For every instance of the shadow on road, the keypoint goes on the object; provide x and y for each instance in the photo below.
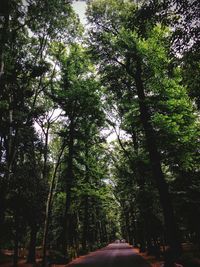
(114, 255)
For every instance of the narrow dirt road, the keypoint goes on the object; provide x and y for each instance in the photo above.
(114, 255)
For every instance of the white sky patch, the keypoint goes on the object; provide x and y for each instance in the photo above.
(80, 8)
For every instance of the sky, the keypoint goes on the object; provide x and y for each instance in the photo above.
(79, 8)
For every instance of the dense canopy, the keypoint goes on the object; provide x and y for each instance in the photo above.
(99, 128)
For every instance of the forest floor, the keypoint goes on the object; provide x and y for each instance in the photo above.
(117, 255)
(189, 258)
(152, 260)
(114, 255)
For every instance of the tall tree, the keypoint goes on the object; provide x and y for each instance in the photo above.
(27, 31)
(140, 54)
(77, 93)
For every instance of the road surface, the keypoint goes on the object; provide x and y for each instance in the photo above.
(114, 255)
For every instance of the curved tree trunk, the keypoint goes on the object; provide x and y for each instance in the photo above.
(48, 208)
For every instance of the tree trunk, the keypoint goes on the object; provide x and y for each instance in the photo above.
(45, 156)
(105, 235)
(48, 208)
(86, 203)
(170, 222)
(69, 182)
(126, 214)
(2, 209)
(32, 245)
(16, 241)
(4, 35)
(85, 224)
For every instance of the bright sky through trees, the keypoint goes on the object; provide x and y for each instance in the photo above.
(79, 7)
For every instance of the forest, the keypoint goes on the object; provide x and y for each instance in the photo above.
(99, 128)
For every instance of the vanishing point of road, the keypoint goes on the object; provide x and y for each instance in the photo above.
(114, 255)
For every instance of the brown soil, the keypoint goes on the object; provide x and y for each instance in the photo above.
(150, 259)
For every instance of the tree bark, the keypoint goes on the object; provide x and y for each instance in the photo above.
(85, 224)
(4, 37)
(48, 208)
(16, 241)
(32, 245)
(69, 182)
(86, 203)
(169, 218)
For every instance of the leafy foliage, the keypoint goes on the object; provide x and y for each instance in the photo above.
(62, 184)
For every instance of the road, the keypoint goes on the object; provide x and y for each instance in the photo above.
(114, 255)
